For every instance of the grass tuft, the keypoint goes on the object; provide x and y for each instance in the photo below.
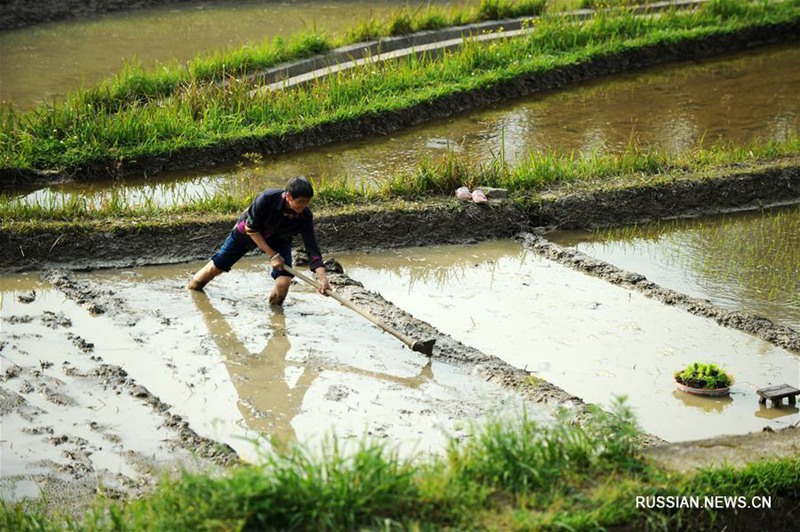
(438, 177)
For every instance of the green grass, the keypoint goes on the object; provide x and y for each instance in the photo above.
(136, 85)
(510, 474)
(525, 181)
(83, 132)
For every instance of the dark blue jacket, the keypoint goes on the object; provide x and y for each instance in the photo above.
(271, 216)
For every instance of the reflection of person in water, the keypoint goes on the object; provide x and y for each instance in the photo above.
(266, 400)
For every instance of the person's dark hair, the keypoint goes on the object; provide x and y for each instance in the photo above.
(300, 187)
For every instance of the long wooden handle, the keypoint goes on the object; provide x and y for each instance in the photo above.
(422, 347)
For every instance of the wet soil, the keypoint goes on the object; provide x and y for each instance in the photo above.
(66, 415)
(734, 451)
(36, 394)
(435, 221)
(72, 482)
(376, 227)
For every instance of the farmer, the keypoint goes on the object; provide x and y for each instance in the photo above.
(269, 223)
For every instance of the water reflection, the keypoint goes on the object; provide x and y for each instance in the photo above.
(744, 261)
(448, 268)
(707, 404)
(768, 412)
(270, 388)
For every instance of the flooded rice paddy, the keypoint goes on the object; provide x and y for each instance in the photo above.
(741, 261)
(233, 369)
(106, 384)
(593, 339)
(674, 108)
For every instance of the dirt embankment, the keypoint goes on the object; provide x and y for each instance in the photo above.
(438, 221)
(763, 328)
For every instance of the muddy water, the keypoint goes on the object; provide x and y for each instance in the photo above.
(44, 62)
(674, 108)
(592, 339)
(745, 261)
(61, 414)
(236, 371)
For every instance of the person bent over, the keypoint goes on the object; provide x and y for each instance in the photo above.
(269, 223)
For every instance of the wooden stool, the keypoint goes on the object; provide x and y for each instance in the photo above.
(777, 393)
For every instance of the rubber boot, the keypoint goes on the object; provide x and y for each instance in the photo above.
(202, 277)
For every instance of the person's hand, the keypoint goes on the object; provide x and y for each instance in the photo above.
(324, 286)
(276, 261)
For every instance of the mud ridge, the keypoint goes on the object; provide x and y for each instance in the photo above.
(432, 222)
(763, 328)
(96, 301)
(447, 348)
(216, 452)
(741, 188)
(437, 222)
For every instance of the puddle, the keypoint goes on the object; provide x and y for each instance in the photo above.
(744, 261)
(593, 339)
(234, 370)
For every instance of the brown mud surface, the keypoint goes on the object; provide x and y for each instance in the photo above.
(444, 221)
(437, 222)
(735, 451)
(432, 222)
(72, 481)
